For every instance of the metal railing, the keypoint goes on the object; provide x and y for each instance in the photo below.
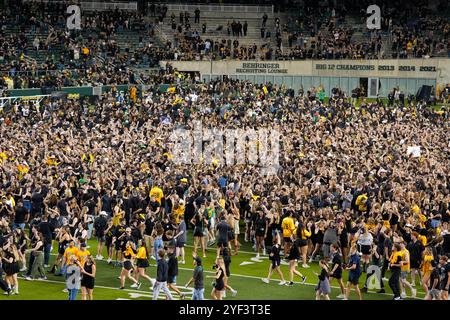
(220, 8)
(94, 5)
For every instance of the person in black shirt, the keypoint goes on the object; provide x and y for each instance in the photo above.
(100, 225)
(444, 277)
(20, 216)
(47, 230)
(336, 268)
(433, 288)
(395, 263)
(162, 275)
(222, 234)
(415, 248)
(261, 226)
(173, 272)
(275, 258)
(37, 201)
(109, 234)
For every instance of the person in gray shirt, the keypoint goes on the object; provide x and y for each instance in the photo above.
(181, 239)
(197, 278)
(330, 236)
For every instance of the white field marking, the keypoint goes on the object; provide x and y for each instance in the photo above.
(245, 276)
(130, 291)
(246, 263)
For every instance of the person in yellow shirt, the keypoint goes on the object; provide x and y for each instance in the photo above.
(288, 227)
(128, 256)
(82, 254)
(303, 234)
(117, 216)
(405, 270)
(426, 268)
(142, 262)
(158, 193)
(178, 210)
(133, 92)
(70, 252)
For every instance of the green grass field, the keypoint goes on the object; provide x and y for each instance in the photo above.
(246, 279)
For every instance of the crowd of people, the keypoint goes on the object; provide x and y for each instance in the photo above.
(348, 192)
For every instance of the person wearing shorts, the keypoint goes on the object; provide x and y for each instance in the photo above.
(275, 259)
(354, 272)
(180, 238)
(173, 272)
(336, 268)
(128, 256)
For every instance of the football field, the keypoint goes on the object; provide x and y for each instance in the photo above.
(246, 274)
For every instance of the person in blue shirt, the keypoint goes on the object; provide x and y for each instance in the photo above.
(354, 272)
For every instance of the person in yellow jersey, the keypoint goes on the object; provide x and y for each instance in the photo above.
(142, 263)
(288, 227)
(303, 234)
(405, 270)
(82, 254)
(395, 264)
(426, 267)
(158, 193)
(128, 257)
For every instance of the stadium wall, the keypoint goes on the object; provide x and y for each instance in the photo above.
(409, 75)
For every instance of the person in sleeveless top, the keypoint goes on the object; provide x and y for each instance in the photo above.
(88, 278)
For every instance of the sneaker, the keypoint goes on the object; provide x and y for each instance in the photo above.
(43, 278)
(403, 295)
(182, 296)
(65, 290)
(134, 285)
(290, 284)
(224, 294)
(46, 266)
(99, 257)
(257, 256)
(121, 288)
(305, 266)
(234, 293)
(282, 283)
(385, 279)
(118, 277)
(310, 260)
(381, 291)
(265, 280)
(109, 260)
(23, 269)
(152, 281)
(139, 285)
(364, 290)
(264, 252)
(413, 293)
(398, 298)
(153, 257)
(183, 262)
(29, 278)
(341, 296)
(303, 279)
